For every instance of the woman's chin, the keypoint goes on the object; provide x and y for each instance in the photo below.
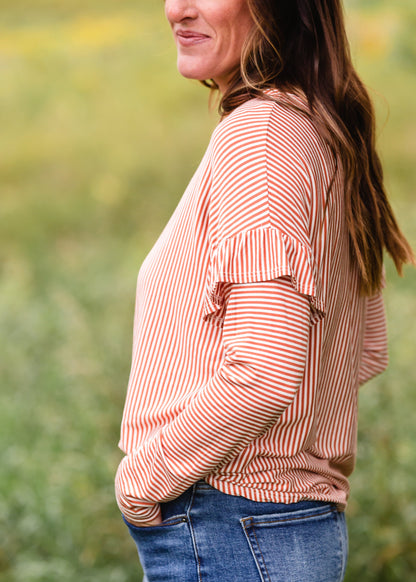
(190, 70)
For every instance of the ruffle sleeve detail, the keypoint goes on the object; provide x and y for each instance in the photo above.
(258, 255)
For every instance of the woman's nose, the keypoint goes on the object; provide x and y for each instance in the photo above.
(179, 10)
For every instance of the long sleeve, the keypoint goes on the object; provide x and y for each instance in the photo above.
(375, 351)
(265, 338)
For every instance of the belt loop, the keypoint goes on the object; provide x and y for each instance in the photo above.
(192, 491)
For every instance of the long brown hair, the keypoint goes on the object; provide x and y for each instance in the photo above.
(301, 46)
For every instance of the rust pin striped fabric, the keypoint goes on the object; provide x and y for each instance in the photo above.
(250, 335)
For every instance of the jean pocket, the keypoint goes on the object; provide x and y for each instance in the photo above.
(171, 521)
(295, 546)
(165, 550)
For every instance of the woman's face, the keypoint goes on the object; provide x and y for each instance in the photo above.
(209, 36)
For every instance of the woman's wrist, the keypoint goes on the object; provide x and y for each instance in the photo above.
(135, 510)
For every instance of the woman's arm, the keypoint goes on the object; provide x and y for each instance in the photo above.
(375, 349)
(265, 338)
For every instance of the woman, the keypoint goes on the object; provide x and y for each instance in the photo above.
(259, 309)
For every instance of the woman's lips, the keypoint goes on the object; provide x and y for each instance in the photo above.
(190, 37)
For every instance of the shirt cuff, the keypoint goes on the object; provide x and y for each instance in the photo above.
(136, 511)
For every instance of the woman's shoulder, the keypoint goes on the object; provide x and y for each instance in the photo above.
(278, 118)
(251, 117)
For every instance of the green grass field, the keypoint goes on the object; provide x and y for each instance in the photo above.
(99, 136)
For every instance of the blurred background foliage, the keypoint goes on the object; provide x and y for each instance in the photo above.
(99, 136)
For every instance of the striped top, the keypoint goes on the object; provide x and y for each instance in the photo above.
(250, 335)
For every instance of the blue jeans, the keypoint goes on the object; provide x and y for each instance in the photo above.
(207, 536)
